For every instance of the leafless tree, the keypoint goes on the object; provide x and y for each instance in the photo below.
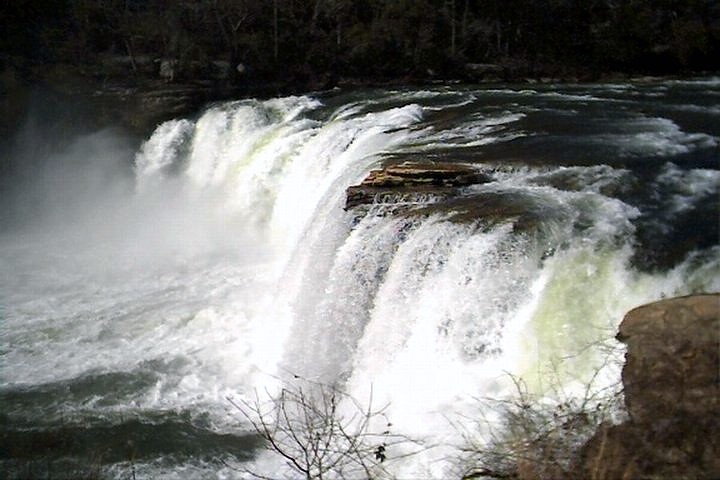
(322, 432)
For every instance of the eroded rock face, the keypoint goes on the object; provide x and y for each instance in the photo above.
(672, 389)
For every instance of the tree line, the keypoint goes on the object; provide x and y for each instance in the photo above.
(372, 39)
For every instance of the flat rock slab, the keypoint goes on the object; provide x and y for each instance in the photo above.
(410, 179)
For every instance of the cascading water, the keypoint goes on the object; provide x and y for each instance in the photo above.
(230, 266)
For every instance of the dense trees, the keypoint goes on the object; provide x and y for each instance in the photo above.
(371, 38)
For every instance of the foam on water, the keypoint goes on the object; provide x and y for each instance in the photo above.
(683, 188)
(710, 82)
(479, 130)
(656, 137)
(162, 149)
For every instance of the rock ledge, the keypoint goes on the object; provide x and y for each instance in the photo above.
(411, 179)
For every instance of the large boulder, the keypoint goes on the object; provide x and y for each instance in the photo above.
(671, 379)
(672, 364)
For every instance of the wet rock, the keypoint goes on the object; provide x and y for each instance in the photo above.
(492, 208)
(672, 393)
(418, 189)
(397, 183)
(410, 174)
(395, 200)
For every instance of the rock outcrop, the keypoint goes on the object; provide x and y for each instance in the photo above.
(671, 380)
(410, 180)
(672, 362)
(425, 188)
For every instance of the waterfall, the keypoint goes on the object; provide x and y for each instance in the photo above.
(425, 311)
(232, 267)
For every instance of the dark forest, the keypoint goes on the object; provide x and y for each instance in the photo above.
(329, 40)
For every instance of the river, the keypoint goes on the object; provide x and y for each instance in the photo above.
(142, 288)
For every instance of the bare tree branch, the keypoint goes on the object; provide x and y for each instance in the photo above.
(320, 430)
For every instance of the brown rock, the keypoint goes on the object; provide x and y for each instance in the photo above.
(672, 362)
(410, 180)
(672, 387)
(416, 173)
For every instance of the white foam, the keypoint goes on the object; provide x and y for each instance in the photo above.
(700, 82)
(477, 131)
(656, 137)
(162, 149)
(685, 187)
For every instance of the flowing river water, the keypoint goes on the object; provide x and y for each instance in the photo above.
(142, 288)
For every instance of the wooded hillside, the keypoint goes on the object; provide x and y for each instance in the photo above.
(366, 39)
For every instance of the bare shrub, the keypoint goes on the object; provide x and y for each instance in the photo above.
(322, 432)
(536, 437)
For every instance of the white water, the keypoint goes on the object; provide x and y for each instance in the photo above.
(235, 268)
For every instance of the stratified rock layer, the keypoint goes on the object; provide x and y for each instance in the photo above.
(672, 392)
(408, 180)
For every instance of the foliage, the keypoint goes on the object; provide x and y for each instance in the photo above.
(373, 38)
